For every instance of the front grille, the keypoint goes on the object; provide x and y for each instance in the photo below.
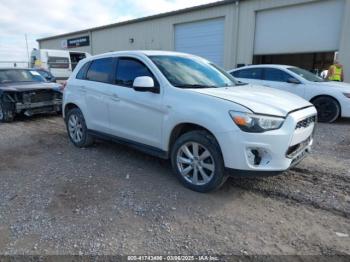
(306, 122)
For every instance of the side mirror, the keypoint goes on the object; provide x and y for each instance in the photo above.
(145, 84)
(293, 81)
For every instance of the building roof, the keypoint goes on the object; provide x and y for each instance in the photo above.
(181, 11)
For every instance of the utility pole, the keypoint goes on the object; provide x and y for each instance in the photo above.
(25, 35)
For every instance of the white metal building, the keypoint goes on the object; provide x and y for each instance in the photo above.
(305, 33)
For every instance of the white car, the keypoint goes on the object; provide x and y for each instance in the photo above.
(331, 99)
(182, 107)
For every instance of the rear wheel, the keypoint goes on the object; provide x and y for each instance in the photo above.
(328, 109)
(197, 161)
(77, 130)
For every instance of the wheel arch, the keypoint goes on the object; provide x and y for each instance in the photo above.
(183, 128)
(69, 106)
(329, 96)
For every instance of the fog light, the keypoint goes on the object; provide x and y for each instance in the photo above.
(257, 157)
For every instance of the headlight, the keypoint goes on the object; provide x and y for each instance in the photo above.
(253, 123)
(347, 95)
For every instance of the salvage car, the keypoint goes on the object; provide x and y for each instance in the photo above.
(25, 91)
(184, 108)
(331, 99)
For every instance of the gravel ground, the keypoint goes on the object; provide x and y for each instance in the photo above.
(110, 199)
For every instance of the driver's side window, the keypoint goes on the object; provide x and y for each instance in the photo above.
(130, 68)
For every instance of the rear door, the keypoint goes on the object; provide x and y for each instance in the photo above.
(136, 116)
(277, 78)
(249, 75)
(95, 89)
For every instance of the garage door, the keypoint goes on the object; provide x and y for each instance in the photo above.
(204, 38)
(302, 28)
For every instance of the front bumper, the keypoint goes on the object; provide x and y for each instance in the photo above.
(272, 151)
(39, 107)
(345, 108)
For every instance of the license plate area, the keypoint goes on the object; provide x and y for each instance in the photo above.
(298, 149)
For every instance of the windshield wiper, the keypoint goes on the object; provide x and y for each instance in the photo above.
(239, 83)
(195, 86)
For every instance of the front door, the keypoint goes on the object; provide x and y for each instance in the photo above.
(136, 116)
(276, 78)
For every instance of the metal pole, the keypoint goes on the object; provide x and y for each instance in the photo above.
(25, 35)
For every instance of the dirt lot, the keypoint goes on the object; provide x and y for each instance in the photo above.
(109, 199)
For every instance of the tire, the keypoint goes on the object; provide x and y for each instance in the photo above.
(6, 114)
(328, 109)
(77, 130)
(208, 159)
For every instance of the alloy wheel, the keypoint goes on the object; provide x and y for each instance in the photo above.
(75, 128)
(195, 163)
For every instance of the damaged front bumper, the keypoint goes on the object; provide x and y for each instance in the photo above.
(30, 109)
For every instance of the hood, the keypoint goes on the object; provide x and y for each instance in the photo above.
(343, 87)
(259, 99)
(28, 86)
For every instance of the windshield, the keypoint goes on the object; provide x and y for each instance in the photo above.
(306, 74)
(18, 75)
(185, 72)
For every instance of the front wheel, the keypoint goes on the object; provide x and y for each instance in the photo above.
(327, 108)
(77, 130)
(197, 161)
(6, 115)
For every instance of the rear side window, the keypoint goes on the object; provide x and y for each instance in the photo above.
(128, 69)
(100, 70)
(273, 74)
(252, 73)
(82, 72)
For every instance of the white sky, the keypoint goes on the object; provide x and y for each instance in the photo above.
(41, 18)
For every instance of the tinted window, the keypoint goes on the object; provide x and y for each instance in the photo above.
(82, 72)
(252, 73)
(128, 69)
(272, 74)
(100, 70)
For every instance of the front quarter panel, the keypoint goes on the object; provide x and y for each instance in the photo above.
(185, 106)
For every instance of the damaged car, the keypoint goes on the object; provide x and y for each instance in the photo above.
(25, 91)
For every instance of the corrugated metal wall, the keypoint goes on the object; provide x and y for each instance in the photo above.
(158, 33)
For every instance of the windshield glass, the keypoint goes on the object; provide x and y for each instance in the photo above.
(185, 72)
(306, 74)
(18, 75)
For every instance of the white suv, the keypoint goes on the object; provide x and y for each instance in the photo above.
(182, 107)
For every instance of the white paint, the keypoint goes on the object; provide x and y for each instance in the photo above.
(150, 118)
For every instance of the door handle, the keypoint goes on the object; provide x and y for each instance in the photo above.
(115, 97)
